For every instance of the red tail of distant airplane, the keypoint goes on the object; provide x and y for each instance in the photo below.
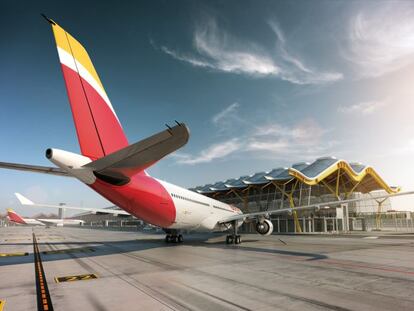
(14, 217)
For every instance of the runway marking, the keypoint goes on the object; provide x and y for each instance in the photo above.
(69, 251)
(363, 266)
(282, 241)
(370, 237)
(216, 297)
(44, 302)
(2, 304)
(16, 240)
(13, 254)
(71, 278)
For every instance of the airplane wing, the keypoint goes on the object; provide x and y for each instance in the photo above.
(315, 206)
(25, 201)
(34, 168)
(124, 163)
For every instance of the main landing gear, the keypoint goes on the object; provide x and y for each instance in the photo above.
(233, 238)
(173, 237)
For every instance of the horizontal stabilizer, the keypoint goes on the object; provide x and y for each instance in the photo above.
(123, 164)
(34, 168)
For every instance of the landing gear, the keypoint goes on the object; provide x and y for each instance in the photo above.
(230, 239)
(233, 238)
(174, 238)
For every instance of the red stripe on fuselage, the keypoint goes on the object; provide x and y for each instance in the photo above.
(144, 197)
(98, 129)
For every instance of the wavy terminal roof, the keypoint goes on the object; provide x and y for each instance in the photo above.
(358, 177)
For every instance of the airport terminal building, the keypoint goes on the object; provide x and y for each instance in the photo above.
(326, 179)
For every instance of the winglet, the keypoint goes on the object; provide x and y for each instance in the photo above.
(23, 200)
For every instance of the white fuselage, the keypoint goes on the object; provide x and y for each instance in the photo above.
(198, 212)
(62, 222)
(193, 211)
(33, 222)
(53, 221)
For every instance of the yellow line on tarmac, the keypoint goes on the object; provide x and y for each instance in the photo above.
(2, 304)
(13, 254)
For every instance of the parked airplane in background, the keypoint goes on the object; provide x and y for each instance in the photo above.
(115, 212)
(16, 218)
(116, 170)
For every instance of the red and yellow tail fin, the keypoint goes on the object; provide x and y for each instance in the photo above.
(14, 217)
(98, 128)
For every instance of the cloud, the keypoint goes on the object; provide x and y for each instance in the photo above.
(225, 114)
(381, 38)
(293, 69)
(301, 141)
(306, 130)
(304, 139)
(213, 152)
(218, 50)
(186, 58)
(363, 108)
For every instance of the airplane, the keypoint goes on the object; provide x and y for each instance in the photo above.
(116, 170)
(115, 212)
(16, 218)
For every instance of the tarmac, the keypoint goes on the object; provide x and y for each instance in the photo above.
(88, 269)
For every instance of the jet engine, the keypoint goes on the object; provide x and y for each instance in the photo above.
(265, 227)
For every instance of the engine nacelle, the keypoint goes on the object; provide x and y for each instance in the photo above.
(72, 163)
(265, 227)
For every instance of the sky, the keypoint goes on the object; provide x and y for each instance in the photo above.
(260, 84)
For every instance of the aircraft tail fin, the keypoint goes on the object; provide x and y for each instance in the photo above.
(97, 125)
(14, 217)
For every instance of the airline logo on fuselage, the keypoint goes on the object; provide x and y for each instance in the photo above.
(235, 209)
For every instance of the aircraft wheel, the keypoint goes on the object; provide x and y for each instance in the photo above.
(237, 239)
(229, 239)
(167, 238)
(180, 238)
